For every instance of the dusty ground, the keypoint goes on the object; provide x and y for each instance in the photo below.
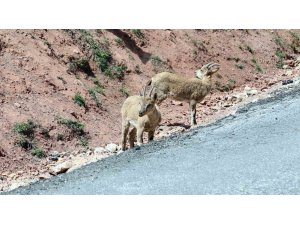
(37, 84)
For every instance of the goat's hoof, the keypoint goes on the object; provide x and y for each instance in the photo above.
(137, 147)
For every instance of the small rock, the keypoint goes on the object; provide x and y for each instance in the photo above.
(99, 150)
(76, 51)
(264, 88)
(53, 156)
(289, 62)
(61, 168)
(247, 88)
(54, 153)
(285, 82)
(285, 67)
(12, 175)
(253, 92)
(17, 105)
(111, 147)
(44, 176)
(226, 105)
(250, 91)
(35, 173)
(271, 82)
(289, 73)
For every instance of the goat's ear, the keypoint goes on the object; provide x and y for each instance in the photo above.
(155, 96)
(215, 68)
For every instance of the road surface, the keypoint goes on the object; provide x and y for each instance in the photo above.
(256, 151)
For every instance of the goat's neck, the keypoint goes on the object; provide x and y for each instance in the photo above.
(206, 80)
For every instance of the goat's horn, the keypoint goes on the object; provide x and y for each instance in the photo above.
(144, 91)
(209, 64)
(151, 91)
(214, 64)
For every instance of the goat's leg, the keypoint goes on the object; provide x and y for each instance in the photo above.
(132, 137)
(151, 135)
(125, 129)
(139, 135)
(193, 104)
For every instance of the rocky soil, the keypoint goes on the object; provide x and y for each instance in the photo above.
(62, 90)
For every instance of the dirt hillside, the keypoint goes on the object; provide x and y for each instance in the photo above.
(62, 90)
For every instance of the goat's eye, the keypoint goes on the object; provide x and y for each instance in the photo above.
(148, 106)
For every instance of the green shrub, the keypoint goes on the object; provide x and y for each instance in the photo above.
(25, 128)
(138, 33)
(93, 93)
(38, 152)
(101, 54)
(60, 137)
(79, 100)
(279, 41)
(45, 133)
(281, 57)
(102, 58)
(24, 142)
(83, 141)
(124, 91)
(240, 66)
(116, 71)
(156, 61)
(81, 64)
(295, 42)
(257, 66)
(76, 126)
(119, 42)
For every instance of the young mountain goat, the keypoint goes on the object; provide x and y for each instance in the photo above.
(192, 90)
(143, 114)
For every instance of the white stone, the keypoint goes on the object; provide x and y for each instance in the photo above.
(61, 168)
(99, 150)
(111, 147)
(285, 67)
(17, 105)
(289, 72)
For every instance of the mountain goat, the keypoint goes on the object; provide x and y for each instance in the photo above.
(142, 113)
(192, 90)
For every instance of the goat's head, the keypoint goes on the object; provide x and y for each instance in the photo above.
(207, 70)
(148, 102)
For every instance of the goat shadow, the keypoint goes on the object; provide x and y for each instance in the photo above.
(131, 44)
(179, 125)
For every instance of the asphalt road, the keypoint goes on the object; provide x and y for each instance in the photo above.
(257, 151)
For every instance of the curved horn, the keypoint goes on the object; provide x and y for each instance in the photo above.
(206, 65)
(214, 64)
(209, 65)
(151, 91)
(144, 91)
